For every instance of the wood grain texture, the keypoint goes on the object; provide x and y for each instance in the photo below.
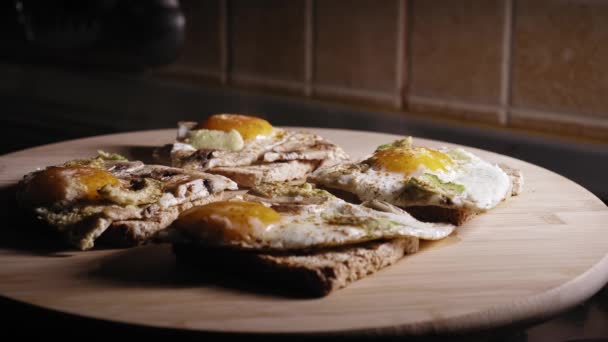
(533, 256)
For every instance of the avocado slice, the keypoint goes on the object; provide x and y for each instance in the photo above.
(215, 140)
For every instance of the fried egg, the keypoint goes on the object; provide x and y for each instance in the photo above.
(109, 195)
(60, 184)
(406, 175)
(289, 217)
(248, 127)
(229, 140)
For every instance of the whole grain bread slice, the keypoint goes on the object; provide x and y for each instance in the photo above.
(433, 213)
(148, 199)
(458, 216)
(429, 213)
(250, 176)
(137, 231)
(309, 274)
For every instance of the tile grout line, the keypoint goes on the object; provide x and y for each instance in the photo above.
(223, 33)
(399, 67)
(351, 92)
(308, 46)
(196, 71)
(476, 107)
(408, 55)
(506, 65)
(262, 80)
(564, 117)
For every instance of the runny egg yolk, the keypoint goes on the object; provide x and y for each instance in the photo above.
(409, 160)
(59, 183)
(227, 221)
(248, 126)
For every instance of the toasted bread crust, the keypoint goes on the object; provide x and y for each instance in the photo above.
(429, 213)
(307, 274)
(516, 177)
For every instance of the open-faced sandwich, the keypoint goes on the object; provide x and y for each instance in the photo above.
(248, 150)
(282, 229)
(437, 185)
(298, 236)
(120, 202)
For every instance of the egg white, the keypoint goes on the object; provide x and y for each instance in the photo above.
(485, 184)
(305, 226)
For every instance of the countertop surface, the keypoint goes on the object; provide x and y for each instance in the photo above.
(30, 122)
(495, 272)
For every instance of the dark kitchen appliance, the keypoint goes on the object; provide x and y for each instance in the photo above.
(105, 33)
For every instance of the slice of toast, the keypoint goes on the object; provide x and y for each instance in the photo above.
(310, 274)
(278, 156)
(249, 176)
(458, 216)
(427, 213)
(147, 199)
(136, 231)
(432, 213)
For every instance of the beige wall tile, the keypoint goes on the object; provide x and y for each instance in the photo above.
(267, 38)
(356, 44)
(456, 49)
(560, 56)
(202, 45)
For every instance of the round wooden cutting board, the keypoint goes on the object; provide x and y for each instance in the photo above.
(533, 256)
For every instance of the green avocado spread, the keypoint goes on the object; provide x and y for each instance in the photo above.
(428, 185)
(215, 140)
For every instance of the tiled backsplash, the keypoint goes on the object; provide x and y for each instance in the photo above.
(455, 58)
(354, 45)
(267, 41)
(521, 64)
